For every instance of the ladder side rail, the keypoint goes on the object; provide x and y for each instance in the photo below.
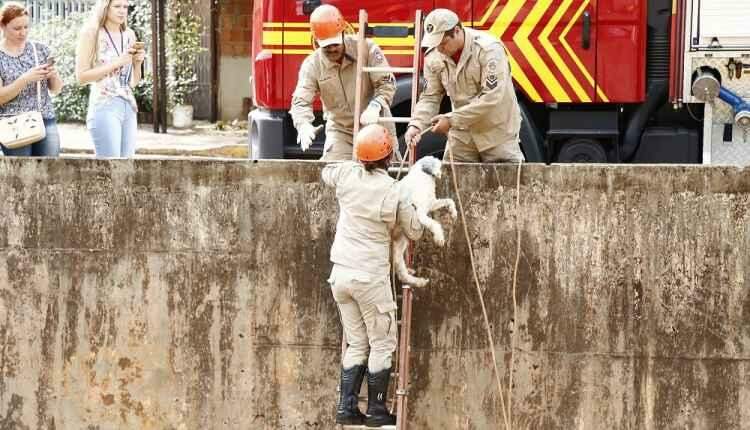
(358, 87)
(402, 391)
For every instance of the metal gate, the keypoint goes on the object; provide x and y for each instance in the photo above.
(42, 10)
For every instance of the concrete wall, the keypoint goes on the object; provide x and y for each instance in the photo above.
(191, 295)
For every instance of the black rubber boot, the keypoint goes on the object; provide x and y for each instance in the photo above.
(377, 390)
(347, 412)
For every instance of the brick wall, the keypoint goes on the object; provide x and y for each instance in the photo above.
(235, 27)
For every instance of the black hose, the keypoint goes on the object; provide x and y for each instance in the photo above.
(657, 96)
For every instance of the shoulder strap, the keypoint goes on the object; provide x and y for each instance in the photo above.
(38, 84)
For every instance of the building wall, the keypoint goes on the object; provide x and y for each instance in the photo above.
(235, 30)
(148, 294)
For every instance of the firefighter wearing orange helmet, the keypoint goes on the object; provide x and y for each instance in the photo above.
(369, 208)
(330, 71)
(471, 67)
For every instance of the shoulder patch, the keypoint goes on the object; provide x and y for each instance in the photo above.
(377, 56)
(492, 66)
(491, 81)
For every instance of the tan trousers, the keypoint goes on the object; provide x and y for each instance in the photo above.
(464, 150)
(341, 147)
(368, 315)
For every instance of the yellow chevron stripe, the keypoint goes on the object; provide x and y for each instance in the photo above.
(523, 80)
(524, 44)
(505, 18)
(544, 38)
(303, 51)
(573, 55)
(488, 12)
(497, 29)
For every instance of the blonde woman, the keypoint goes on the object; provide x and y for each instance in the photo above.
(109, 58)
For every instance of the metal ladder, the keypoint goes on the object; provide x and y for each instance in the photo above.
(363, 31)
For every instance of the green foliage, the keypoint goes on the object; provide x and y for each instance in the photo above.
(61, 35)
(139, 19)
(184, 30)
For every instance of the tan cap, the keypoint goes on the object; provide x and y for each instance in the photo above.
(436, 24)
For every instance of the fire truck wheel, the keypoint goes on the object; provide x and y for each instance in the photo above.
(580, 150)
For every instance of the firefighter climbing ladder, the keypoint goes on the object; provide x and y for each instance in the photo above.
(405, 331)
(363, 30)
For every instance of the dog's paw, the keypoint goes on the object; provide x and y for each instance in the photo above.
(453, 211)
(419, 282)
(439, 239)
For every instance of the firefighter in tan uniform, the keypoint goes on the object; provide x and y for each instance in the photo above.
(471, 67)
(369, 208)
(330, 71)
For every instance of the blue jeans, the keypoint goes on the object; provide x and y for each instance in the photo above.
(47, 147)
(113, 126)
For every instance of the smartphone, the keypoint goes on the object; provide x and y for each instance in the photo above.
(139, 45)
(50, 61)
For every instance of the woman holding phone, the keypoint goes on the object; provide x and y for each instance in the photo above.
(109, 58)
(23, 65)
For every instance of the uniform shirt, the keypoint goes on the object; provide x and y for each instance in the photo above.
(481, 91)
(335, 83)
(369, 208)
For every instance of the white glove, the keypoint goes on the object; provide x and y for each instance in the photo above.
(371, 114)
(305, 135)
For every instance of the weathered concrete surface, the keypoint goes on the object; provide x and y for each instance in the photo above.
(191, 295)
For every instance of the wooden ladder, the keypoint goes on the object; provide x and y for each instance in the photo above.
(363, 31)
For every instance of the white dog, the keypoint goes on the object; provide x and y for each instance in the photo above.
(418, 187)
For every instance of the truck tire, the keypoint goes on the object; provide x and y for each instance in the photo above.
(581, 150)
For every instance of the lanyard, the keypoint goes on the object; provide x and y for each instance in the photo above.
(122, 42)
(120, 52)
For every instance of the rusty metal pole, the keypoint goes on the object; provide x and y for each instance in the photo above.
(156, 101)
(162, 72)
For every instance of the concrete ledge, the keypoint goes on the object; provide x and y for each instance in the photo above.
(192, 295)
(240, 151)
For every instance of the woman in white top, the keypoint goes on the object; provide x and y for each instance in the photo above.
(109, 58)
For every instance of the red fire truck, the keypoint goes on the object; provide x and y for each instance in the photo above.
(597, 80)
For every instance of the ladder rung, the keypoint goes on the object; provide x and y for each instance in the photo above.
(397, 119)
(388, 69)
(404, 169)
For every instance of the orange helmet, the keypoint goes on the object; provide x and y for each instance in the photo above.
(373, 143)
(327, 24)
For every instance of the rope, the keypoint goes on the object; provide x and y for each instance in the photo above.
(506, 413)
(515, 282)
